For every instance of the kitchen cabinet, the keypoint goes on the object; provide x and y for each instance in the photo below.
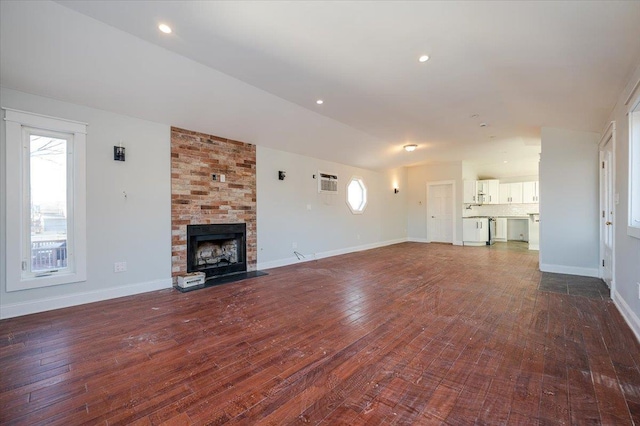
(530, 192)
(501, 229)
(475, 231)
(490, 190)
(470, 192)
(511, 193)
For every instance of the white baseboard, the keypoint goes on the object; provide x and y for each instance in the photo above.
(534, 247)
(417, 240)
(458, 243)
(42, 305)
(629, 316)
(315, 256)
(570, 270)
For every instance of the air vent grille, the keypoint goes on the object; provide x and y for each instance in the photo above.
(327, 183)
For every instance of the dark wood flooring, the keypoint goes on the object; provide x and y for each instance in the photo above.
(406, 334)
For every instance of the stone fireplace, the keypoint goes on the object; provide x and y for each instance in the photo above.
(216, 249)
(197, 199)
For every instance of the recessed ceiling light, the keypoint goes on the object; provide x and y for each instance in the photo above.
(319, 101)
(423, 58)
(164, 28)
(411, 147)
(505, 161)
(483, 124)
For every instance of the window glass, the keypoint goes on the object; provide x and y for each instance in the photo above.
(47, 203)
(356, 195)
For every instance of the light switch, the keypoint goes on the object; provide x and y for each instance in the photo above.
(222, 178)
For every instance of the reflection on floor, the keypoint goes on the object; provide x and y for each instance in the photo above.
(574, 285)
(516, 246)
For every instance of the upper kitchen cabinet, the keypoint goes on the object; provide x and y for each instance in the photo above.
(489, 190)
(470, 195)
(530, 192)
(511, 193)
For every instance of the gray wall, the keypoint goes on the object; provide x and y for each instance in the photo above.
(418, 177)
(292, 210)
(136, 229)
(569, 235)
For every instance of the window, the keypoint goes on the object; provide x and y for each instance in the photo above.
(634, 169)
(356, 195)
(45, 201)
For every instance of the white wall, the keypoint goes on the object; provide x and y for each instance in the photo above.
(418, 177)
(569, 237)
(136, 229)
(627, 249)
(292, 211)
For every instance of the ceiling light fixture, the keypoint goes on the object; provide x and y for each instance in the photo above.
(319, 101)
(411, 147)
(165, 28)
(483, 124)
(423, 58)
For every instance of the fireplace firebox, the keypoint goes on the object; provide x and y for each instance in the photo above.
(217, 249)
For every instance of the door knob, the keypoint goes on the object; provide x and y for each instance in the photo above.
(608, 223)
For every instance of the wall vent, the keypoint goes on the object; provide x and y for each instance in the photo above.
(327, 183)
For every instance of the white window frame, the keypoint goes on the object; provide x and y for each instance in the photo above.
(633, 226)
(18, 125)
(364, 195)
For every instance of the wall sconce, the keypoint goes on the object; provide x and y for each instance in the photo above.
(118, 153)
(281, 175)
(396, 190)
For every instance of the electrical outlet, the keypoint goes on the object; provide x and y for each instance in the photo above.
(120, 267)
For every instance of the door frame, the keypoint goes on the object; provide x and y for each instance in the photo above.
(453, 208)
(609, 134)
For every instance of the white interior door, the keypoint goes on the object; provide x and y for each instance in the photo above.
(440, 212)
(607, 205)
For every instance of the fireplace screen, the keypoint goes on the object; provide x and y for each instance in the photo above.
(217, 249)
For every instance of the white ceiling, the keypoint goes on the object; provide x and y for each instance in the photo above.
(518, 65)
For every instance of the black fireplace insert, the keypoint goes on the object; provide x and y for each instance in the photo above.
(217, 249)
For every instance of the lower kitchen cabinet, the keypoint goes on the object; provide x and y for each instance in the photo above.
(475, 231)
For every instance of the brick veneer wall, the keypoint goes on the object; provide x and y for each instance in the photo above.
(197, 199)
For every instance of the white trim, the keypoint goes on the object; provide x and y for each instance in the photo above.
(315, 256)
(453, 207)
(48, 122)
(633, 92)
(43, 305)
(634, 145)
(570, 270)
(417, 240)
(627, 313)
(365, 196)
(458, 243)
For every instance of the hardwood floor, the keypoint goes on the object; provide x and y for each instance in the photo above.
(406, 334)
